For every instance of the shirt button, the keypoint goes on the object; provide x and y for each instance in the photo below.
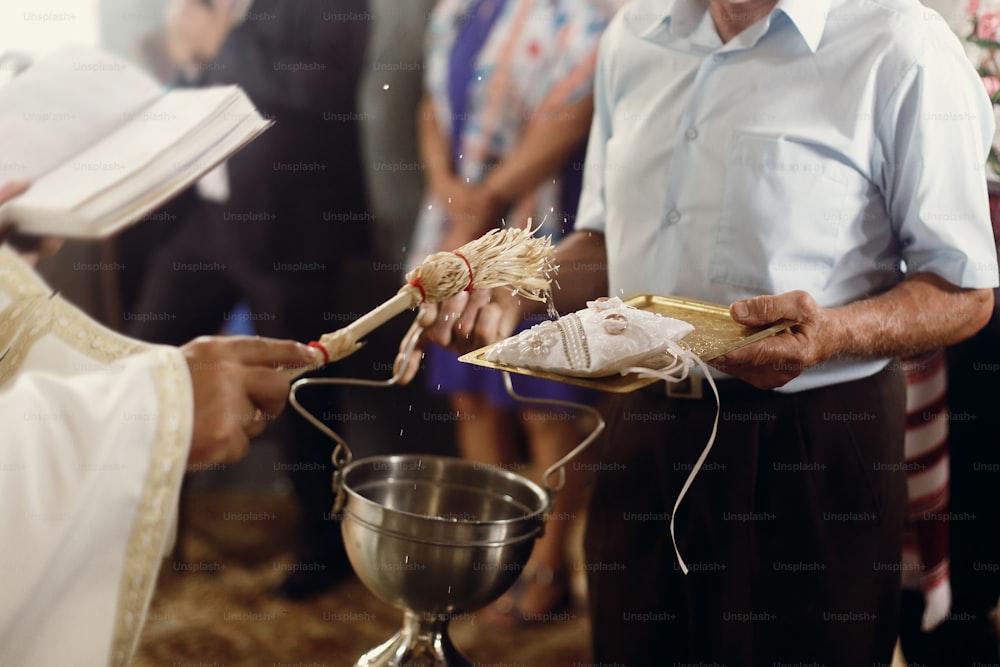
(673, 217)
(691, 133)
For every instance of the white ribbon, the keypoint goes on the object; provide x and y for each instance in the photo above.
(678, 371)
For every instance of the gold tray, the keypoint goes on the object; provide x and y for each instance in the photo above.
(715, 333)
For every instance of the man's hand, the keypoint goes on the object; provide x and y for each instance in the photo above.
(464, 323)
(195, 31)
(774, 361)
(923, 312)
(238, 388)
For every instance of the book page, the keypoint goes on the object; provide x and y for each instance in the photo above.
(175, 170)
(98, 170)
(163, 149)
(63, 103)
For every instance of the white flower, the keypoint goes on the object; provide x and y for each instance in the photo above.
(538, 340)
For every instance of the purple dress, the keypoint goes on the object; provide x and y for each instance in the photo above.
(465, 64)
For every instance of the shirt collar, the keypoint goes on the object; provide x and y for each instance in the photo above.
(683, 16)
(680, 16)
(808, 17)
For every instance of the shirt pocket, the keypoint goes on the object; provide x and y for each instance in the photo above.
(785, 205)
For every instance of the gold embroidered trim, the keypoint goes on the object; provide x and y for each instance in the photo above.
(144, 553)
(34, 313)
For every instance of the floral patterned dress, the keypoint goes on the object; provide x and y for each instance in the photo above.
(535, 57)
(539, 56)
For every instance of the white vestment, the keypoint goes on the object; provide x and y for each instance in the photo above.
(94, 436)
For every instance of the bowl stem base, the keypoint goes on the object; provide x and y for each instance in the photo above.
(423, 641)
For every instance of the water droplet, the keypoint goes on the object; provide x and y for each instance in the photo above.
(550, 305)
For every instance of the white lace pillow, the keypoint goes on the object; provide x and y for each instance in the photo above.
(604, 338)
(609, 337)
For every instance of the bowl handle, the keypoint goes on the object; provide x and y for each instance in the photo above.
(558, 469)
(342, 454)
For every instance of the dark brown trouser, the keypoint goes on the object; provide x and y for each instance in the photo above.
(792, 531)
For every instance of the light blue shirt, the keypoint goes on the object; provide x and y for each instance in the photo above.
(821, 149)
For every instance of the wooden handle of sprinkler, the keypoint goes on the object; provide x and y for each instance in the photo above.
(345, 342)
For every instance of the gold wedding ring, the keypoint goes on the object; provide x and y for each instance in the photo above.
(614, 324)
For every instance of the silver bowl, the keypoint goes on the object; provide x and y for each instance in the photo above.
(435, 536)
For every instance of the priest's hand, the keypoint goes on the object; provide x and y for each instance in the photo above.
(239, 386)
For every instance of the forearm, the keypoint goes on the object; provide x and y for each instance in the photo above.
(922, 313)
(435, 151)
(547, 142)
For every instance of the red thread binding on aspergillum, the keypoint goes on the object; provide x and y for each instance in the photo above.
(416, 283)
(319, 346)
(469, 267)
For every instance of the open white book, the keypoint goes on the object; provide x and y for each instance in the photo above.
(103, 143)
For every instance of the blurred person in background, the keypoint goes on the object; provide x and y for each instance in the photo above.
(274, 225)
(957, 408)
(391, 88)
(972, 630)
(503, 127)
(967, 414)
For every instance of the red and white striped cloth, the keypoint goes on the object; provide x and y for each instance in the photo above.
(925, 540)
